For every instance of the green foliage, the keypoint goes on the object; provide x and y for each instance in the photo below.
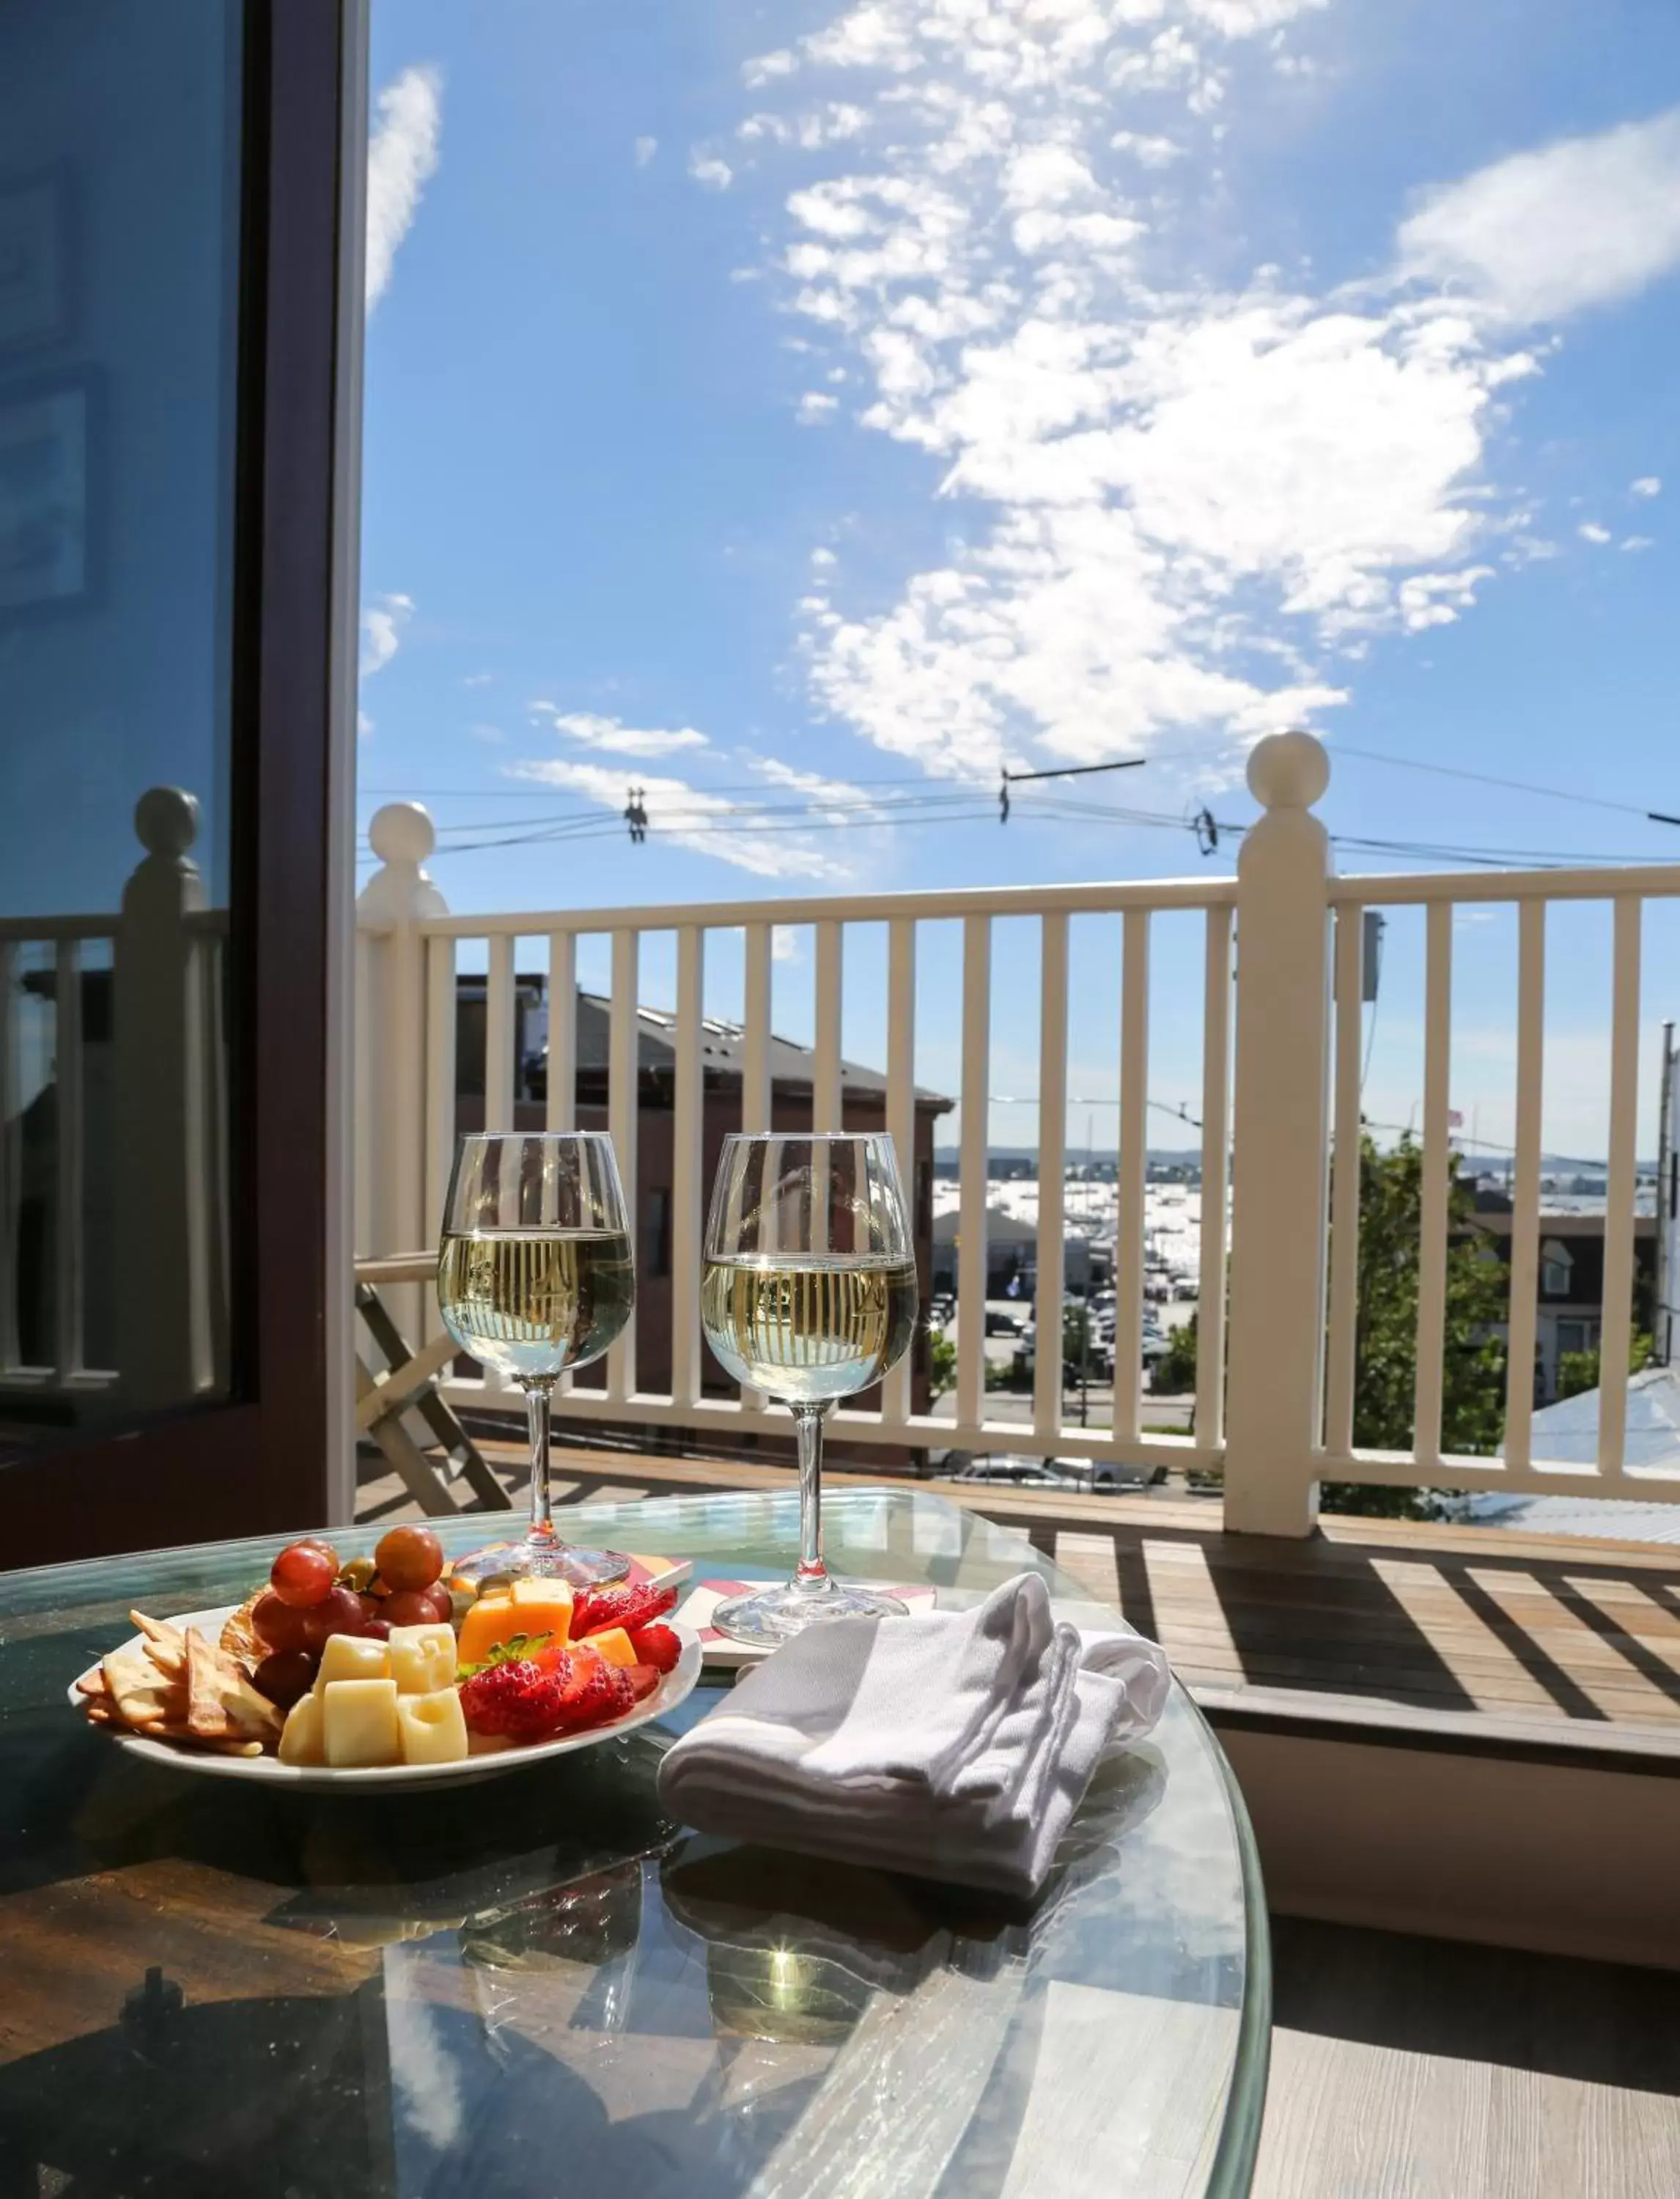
(941, 1362)
(1579, 1370)
(1175, 1370)
(1472, 1373)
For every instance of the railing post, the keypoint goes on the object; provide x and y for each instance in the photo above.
(1272, 1429)
(391, 1088)
(162, 1135)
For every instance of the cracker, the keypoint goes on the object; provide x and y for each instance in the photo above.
(92, 1684)
(165, 1645)
(137, 1690)
(222, 1704)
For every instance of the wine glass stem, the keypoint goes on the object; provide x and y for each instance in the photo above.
(537, 1415)
(807, 1425)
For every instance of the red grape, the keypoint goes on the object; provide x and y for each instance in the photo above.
(409, 1606)
(339, 1611)
(285, 1676)
(409, 1558)
(303, 1574)
(443, 1604)
(378, 1629)
(278, 1623)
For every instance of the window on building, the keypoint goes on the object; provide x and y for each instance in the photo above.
(1557, 1270)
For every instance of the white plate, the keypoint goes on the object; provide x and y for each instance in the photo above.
(677, 1684)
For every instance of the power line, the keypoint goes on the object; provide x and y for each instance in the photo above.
(1508, 785)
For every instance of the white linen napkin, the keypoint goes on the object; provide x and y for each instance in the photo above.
(956, 1744)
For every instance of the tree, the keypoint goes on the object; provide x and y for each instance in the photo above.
(1175, 1370)
(1472, 1386)
(942, 1363)
(1473, 1370)
(1579, 1370)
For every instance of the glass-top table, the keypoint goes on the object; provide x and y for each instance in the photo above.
(539, 1985)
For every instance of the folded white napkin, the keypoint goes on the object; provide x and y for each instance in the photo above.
(956, 1744)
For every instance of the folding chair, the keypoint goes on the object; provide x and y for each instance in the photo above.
(408, 1382)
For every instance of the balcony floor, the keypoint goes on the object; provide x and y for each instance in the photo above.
(1488, 1634)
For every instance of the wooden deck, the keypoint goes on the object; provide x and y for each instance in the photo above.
(1504, 1640)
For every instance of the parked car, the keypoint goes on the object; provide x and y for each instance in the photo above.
(998, 1323)
(1022, 1471)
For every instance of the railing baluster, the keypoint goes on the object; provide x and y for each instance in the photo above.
(1134, 1143)
(756, 1032)
(367, 1096)
(896, 1392)
(498, 1028)
(976, 1047)
(1525, 1183)
(1339, 1368)
(560, 1104)
(440, 1086)
(827, 1100)
(623, 1069)
(67, 1076)
(688, 1118)
(1616, 1328)
(1216, 1147)
(1432, 1310)
(1052, 1179)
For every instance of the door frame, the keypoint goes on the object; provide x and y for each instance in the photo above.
(280, 1456)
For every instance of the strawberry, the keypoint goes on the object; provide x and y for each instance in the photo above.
(594, 1691)
(656, 1645)
(521, 1697)
(625, 1606)
(644, 1678)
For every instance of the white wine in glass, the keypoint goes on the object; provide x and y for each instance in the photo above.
(535, 1277)
(809, 1294)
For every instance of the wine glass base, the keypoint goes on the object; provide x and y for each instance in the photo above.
(543, 1558)
(771, 1616)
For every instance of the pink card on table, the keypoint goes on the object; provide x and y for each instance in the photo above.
(702, 1599)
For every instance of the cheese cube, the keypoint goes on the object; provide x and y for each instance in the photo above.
(351, 1657)
(615, 1644)
(301, 1742)
(360, 1722)
(422, 1658)
(432, 1728)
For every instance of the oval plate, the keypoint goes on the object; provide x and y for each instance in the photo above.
(677, 1684)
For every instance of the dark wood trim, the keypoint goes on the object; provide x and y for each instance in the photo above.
(258, 1463)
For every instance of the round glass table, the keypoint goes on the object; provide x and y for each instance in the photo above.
(539, 1984)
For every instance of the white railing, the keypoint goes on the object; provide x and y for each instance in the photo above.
(143, 1111)
(1277, 1335)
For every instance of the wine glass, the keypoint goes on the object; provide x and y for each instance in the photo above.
(809, 1293)
(535, 1277)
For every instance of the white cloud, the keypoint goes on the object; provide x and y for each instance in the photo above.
(383, 623)
(1584, 222)
(1647, 484)
(364, 724)
(710, 172)
(815, 406)
(1590, 531)
(1637, 542)
(646, 148)
(1148, 152)
(492, 736)
(402, 159)
(692, 818)
(785, 943)
(592, 732)
(477, 679)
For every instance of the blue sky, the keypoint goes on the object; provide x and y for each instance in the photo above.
(802, 410)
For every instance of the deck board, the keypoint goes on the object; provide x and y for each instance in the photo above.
(1567, 1639)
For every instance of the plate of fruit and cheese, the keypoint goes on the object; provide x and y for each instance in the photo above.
(385, 1673)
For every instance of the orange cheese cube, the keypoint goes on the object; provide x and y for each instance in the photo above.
(615, 1644)
(494, 1619)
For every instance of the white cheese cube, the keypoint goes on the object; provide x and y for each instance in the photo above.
(359, 1722)
(433, 1728)
(351, 1657)
(301, 1741)
(422, 1658)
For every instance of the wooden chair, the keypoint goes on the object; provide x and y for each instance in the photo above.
(408, 1382)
